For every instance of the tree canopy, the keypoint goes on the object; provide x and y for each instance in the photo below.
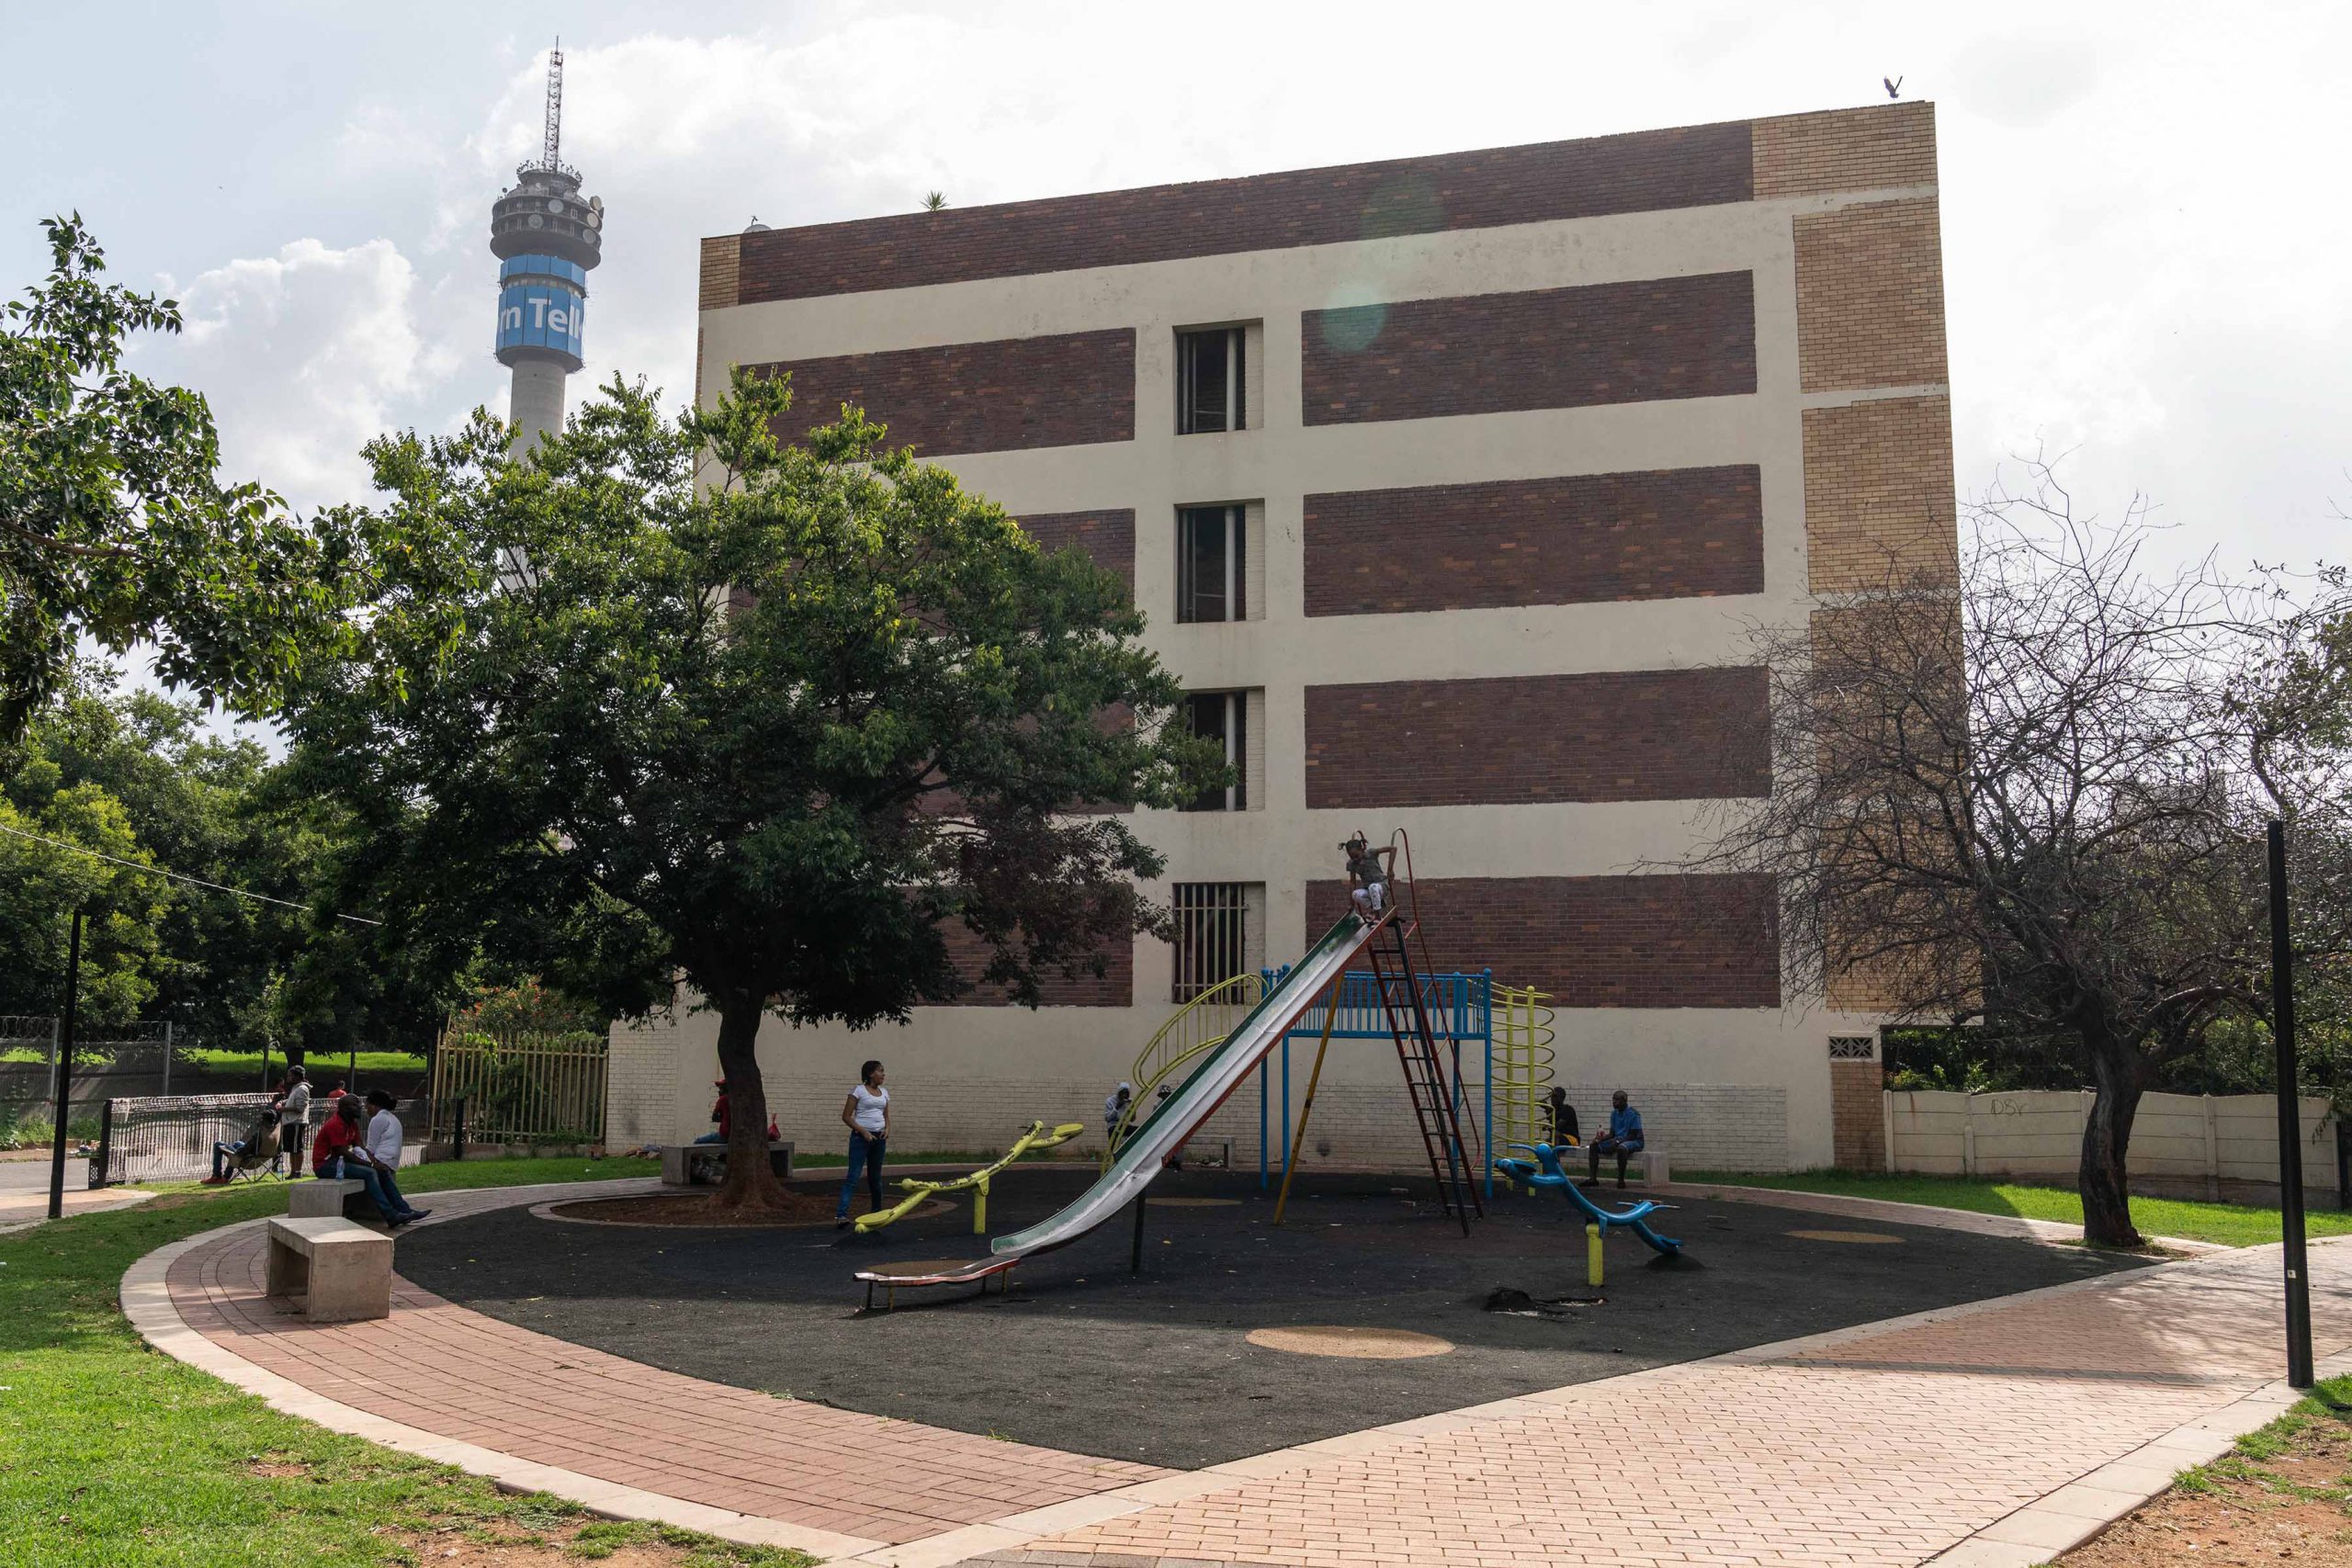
(115, 526)
(766, 717)
(2033, 797)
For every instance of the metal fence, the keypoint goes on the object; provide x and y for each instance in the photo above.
(137, 1057)
(170, 1137)
(520, 1087)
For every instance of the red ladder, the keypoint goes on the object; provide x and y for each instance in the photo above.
(1435, 1106)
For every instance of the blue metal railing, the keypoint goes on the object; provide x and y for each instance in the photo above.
(1460, 1008)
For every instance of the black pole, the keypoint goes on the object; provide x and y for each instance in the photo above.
(64, 1084)
(2290, 1120)
(1135, 1256)
(457, 1143)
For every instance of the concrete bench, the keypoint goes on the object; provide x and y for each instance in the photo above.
(319, 1197)
(1651, 1162)
(340, 1272)
(684, 1165)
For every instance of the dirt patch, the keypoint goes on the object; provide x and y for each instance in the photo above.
(276, 1467)
(2280, 1499)
(693, 1211)
(507, 1544)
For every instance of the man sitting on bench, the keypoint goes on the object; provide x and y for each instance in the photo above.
(1623, 1139)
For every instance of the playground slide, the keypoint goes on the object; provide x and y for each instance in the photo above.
(1178, 1116)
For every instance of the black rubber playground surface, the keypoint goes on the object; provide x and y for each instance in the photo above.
(1084, 1355)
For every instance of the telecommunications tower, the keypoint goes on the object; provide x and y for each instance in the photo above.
(545, 236)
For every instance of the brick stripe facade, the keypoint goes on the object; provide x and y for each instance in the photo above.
(1114, 988)
(1617, 735)
(1891, 146)
(1067, 389)
(1546, 348)
(1643, 172)
(719, 256)
(1880, 509)
(1108, 537)
(1600, 941)
(1585, 538)
(1871, 297)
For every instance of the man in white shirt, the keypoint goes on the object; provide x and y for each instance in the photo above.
(383, 1145)
(294, 1123)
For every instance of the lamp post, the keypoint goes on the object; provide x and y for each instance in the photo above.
(64, 1084)
(2290, 1120)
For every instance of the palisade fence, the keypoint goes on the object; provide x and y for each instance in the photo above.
(525, 1088)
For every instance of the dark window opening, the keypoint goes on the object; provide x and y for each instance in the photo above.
(1220, 717)
(1209, 945)
(1210, 543)
(1209, 381)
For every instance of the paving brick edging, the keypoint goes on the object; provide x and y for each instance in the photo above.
(2059, 1521)
(147, 1303)
(1002, 1540)
(2029, 1534)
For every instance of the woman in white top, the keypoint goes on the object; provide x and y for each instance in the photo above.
(383, 1145)
(866, 1114)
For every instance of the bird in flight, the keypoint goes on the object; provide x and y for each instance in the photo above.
(1893, 86)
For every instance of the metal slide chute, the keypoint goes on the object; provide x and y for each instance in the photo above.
(1146, 1150)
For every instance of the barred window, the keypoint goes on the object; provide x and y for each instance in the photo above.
(1212, 940)
(1853, 1048)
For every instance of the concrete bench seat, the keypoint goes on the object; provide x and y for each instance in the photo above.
(1651, 1162)
(319, 1197)
(338, 1271)
(684, 1164)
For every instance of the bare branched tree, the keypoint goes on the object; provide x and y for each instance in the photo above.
(2031, 794)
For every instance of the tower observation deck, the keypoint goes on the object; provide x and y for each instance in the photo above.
(547, 237)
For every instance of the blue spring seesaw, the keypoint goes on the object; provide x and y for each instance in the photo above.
(1635, 1218)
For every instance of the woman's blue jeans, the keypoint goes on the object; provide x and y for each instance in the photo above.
(864, 1154)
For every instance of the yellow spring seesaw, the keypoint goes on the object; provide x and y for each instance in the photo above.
(977, 1184)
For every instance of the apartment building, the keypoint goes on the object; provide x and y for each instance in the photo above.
(1452, 487)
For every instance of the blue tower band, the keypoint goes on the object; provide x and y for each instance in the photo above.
(547, 236)
(540, 300)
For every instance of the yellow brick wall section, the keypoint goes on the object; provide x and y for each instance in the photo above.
(721, 258)
(1857, 1116)
(1873, 149)
(1871, 297)
(1879, 505)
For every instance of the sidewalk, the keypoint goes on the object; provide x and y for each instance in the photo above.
(1992, 1434)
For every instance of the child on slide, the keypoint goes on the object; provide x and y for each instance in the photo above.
(1370, 876)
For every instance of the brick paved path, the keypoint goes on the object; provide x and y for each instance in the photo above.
(1883, 1445)
(1878, 1448)
(438, 1367)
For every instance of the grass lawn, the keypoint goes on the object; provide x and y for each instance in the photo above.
(225, 1061)
(112, 1456)
(2229, 1224)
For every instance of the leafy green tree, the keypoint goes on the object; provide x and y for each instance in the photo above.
(114, 525)
(757, 716)
(40, 886)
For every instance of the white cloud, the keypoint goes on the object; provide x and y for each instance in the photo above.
(307, 355)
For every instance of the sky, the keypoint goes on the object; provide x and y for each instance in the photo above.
(2143, 225)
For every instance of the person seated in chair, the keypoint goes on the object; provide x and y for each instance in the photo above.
(1623, 1139)
(257, 1144)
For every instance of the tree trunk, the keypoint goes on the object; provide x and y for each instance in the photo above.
(750, 1185)
(2107, 1138)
